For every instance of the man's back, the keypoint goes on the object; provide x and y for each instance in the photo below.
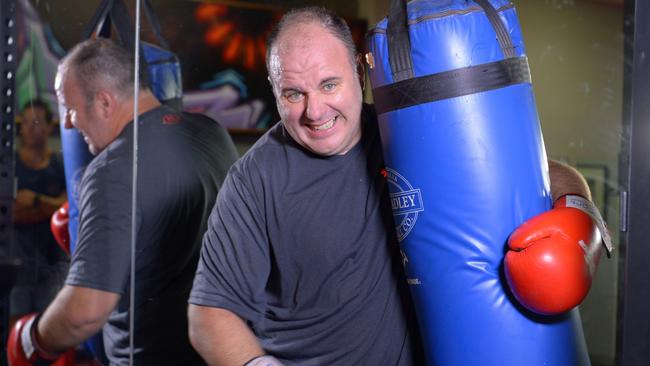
(182, 160)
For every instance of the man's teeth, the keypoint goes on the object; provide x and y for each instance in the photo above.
(325, 126)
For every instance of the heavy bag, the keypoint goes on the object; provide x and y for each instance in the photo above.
(75, 159)
(164, 77)
(162, 66)
(465, 164)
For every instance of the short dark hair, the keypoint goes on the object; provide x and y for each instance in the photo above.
(39, 103)
(313, 15)
(100, 62)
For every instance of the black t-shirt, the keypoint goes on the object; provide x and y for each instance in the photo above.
(34, 243)
(182, 161)
(302, 247)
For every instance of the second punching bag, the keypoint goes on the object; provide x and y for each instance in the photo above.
(466, 165)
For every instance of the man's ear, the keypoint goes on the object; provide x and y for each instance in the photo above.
(105, 103)
(268, 78)
(361, 71)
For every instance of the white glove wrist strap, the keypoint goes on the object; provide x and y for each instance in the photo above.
(30, 345)
(590, 209)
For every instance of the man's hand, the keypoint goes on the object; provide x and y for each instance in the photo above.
(24, 350)
(25, 198)
(554, 256)
(59, 227)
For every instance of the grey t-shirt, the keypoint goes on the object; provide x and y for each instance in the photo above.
(302, 247)
(182, 161)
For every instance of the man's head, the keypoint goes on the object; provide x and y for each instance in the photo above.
(93, 83)
(312, 66)
(36, 124)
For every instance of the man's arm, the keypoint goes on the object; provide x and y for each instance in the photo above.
(31, 207)
(221, 337)
(566, 180)
(76, 314)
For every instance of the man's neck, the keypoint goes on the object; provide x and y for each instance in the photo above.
(146, 102)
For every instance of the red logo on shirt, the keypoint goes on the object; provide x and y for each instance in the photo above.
(171, 119)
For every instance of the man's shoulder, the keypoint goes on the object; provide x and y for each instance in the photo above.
(268, 146)
(270, 152)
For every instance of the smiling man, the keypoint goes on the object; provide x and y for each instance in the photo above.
(299, 261)
(316, 84)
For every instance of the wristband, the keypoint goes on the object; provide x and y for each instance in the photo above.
(28, 340)
(264, 360)
(590, 209)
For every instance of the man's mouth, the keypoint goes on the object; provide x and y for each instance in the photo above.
(325, 126)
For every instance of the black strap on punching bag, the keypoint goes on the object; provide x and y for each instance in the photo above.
(408, 90)
(115, 11)
(399, 43)
(503, 37)
(451, 84)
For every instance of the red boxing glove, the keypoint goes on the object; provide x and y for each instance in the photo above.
(554, 256)
(23, 350)
(59, 227)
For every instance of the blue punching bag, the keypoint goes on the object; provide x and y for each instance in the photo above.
(465, 165)
(75, 159)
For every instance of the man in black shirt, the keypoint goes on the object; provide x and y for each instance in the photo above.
(182, 161)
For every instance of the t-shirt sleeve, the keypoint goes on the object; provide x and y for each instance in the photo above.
(234, 266)
(101, 259)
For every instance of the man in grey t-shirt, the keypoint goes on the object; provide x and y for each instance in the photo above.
(182, 161)
(300, 264)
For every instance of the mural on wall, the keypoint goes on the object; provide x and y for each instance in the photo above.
(224, 70)
(38, 55)
(222, 50)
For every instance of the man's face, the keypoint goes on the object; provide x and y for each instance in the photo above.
(78, 115)
(35, 128)
(317, 89)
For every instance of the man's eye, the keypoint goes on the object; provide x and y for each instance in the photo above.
(329, 87)
(293, 96)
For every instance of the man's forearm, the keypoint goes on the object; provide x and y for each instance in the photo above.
(221, 337)
(566, 180)
(49, 204)
(74, 316)
(39, 207)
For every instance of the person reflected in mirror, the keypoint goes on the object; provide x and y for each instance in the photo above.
(181, 163)
(41, 190)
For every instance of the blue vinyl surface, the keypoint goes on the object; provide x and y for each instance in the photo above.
(463, 173)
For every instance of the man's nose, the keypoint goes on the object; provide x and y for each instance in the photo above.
(315, 106)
